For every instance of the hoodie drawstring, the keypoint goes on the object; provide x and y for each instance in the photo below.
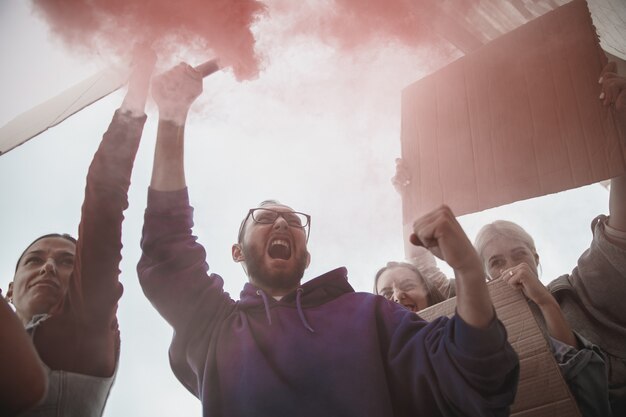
(300, 312)
(298, 307)
(267, 306)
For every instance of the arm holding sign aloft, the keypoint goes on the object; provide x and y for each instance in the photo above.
(613, 95)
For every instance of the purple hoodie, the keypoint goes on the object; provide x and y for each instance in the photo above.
(322, 350)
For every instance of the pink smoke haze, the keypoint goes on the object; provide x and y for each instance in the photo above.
(466, 24)
(356, 21)
(216, 28)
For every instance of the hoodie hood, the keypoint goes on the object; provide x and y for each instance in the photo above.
(318, 291)
(315, 292)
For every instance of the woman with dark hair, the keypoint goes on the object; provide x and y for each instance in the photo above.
(65, 291)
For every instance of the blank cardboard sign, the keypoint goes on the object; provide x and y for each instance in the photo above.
(518, 118)
(541, 391)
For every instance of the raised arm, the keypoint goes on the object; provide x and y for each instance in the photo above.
(98, 251)
(174, 93)
(139, 83)
(617, 206)
(613, 95)
(173, 269)
(440, 232)
(95, 288)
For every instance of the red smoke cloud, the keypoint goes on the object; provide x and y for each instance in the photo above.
(222, 27)
(354, 22)
(466, 24)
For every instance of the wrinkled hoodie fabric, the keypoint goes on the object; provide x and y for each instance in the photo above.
(323, 350)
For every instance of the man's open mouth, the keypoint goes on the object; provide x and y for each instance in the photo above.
(280, 249)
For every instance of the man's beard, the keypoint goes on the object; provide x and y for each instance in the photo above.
(284, 280)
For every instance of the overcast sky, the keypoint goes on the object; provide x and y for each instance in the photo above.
(318, 129)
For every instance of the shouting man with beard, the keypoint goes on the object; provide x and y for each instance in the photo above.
(313, 349)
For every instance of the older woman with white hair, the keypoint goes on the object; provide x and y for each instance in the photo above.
(509, 253)
(591, 298)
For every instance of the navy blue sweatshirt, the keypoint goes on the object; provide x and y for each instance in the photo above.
(323, 350)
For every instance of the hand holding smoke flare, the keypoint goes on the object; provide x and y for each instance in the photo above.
(207, 68)
(139, 82)
(175, 90)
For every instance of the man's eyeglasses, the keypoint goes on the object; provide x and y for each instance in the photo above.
(269, 216)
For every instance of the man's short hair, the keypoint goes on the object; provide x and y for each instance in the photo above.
(242, 227)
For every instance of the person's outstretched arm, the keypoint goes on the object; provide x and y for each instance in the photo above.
(614, 96)
(440, 232)
(172, 271)
(174, 92)
(95, 288)
(139, 83)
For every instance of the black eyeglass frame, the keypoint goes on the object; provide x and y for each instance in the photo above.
(306, 226)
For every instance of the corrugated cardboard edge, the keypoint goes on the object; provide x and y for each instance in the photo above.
(541, 392)
(466, 169)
